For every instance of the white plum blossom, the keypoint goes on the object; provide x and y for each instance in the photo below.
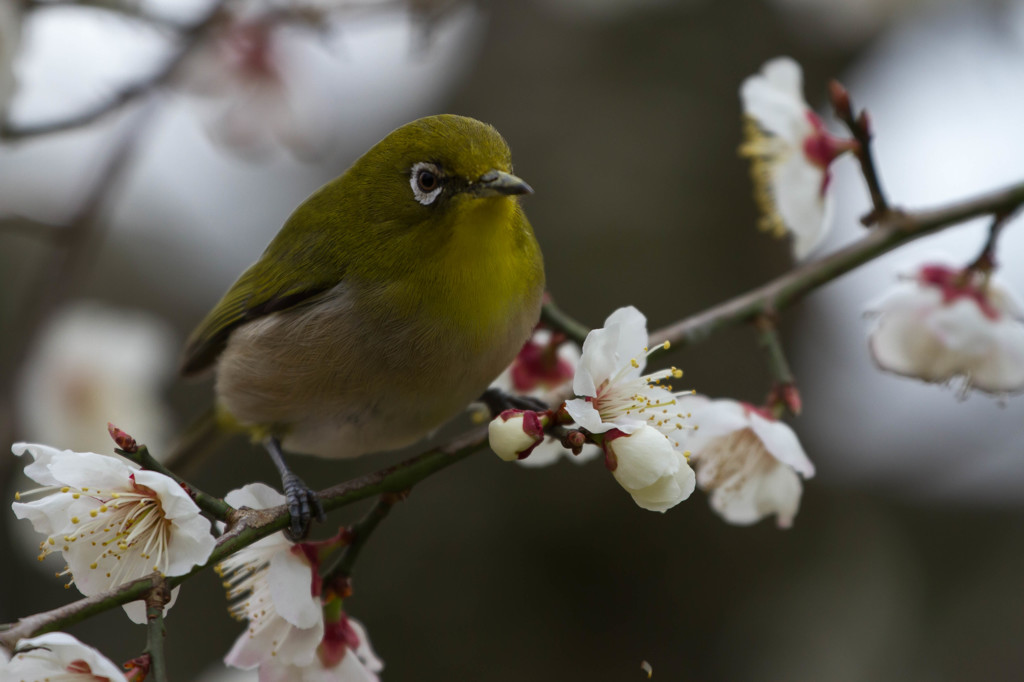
(345, 656)
(112, 521)
(613, 391)
(95, 364)
(639, 417)
(790, 152)
(276, 589)
(944, 323)
(647, 465)
(59, 656)
(747, 460)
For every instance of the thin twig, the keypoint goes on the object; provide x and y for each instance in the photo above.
(860, 128)
(780, 293)
(359, 533)
(156, 600)
(986, 260)
(130, 10)
(768, 339)
(214, 506)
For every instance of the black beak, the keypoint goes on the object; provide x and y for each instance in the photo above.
(496, 183)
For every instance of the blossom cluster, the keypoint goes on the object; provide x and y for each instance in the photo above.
(114, 522)
(660, 444)
(275, 585)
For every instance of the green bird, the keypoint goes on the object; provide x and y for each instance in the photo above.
(389, 300)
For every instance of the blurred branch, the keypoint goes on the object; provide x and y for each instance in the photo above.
(74, 247)
(986, 260)
(558, 320)
(894, 230)
(128, 8)
(860, 128)
(784, 394)
(189, 36)
(27, 227)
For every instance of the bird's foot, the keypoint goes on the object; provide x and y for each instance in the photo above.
(497, 401)
(302, 500)
(303, 505)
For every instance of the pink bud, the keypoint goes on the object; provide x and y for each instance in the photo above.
(122, 439)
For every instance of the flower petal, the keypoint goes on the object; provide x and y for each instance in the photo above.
(586, 415)
(255, 496)
(48, 656)
(782, 444)
(803, 200)
(775, 99)
(290, 577)
(643, 457)
(667, 491)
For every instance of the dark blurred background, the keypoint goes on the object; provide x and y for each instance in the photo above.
(905, 561)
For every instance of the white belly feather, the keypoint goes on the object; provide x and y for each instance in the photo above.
(335, 381)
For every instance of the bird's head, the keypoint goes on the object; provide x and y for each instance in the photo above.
(429, 173)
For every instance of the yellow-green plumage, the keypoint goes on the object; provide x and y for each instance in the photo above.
(372, 318)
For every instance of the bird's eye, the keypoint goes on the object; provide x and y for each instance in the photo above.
(426, 180)
(426, 183)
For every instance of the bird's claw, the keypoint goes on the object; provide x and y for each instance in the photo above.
(303, 505)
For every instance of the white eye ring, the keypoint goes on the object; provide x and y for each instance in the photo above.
(421, 171)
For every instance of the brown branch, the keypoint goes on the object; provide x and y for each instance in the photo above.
(893, 231)
(249, 525)
(860, 128)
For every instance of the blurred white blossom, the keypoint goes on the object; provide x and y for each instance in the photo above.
(943, 323)
(112, 521)
(345, 655)
(255, 98)
(93, 365)
(790, 152)
(747, 460)
(58, 656)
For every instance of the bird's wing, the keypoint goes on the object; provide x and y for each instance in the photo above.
(262, 289)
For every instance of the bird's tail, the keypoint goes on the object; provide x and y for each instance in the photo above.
(198, 440)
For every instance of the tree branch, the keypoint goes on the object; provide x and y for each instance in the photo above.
(155, 602)
(893, 231)
(246, 526)
(190, 36)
